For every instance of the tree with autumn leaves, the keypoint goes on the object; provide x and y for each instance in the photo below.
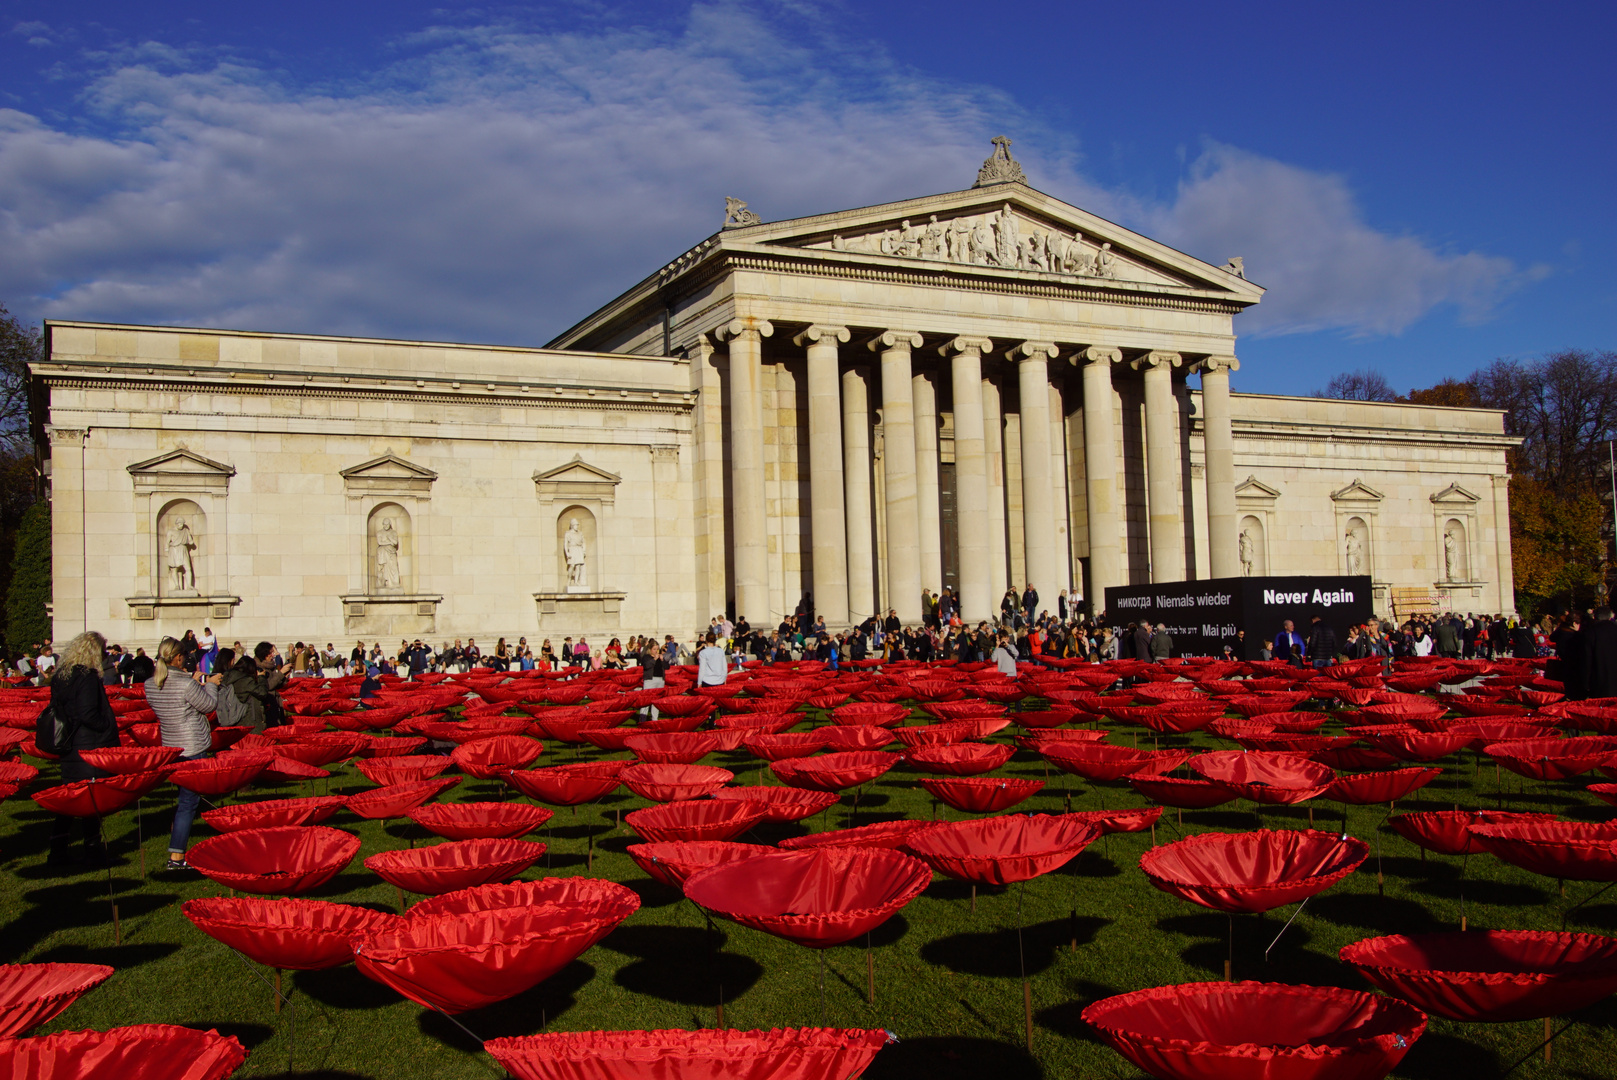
(1563, 406)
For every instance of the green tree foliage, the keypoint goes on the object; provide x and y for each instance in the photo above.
(19, 479)
(30, 588)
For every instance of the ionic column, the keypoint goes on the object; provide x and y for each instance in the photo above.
(1219, 447)
(1162, 466)
(856, 489)
(994, 440)
(898, 471)
(829, 525)
(928, 512)
(977, 600)
(1032, 360)
(747, 504)
(1100, 474)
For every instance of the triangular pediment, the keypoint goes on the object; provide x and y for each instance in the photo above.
(576, 471)
(1454, 495)
(181, 462)
(1357, 491)
(1000, 229)
(1253, 488)
(388, 467)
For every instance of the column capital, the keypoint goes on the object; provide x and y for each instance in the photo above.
(964, 345)
(818, 334)
(1097, 354)
(894, 339)
(1212, 365)
(1032, 350)
(1156, 359)
(747, 324)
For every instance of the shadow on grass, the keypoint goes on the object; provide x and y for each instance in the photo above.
(1384, 914)
(527, 1013)
(682, 964)
(1066, 1019)
(953, 1057)
(116, 956)
(1443, 1057)
(994, 953)
(79, 904)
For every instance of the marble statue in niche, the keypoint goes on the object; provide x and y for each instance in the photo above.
(1353, 546)
(1246, 549)
(179, 545)
(573, 551)
(1451, 556)
(387, 555)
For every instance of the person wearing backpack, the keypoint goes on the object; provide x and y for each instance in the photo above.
(234, 708)
(182, 703)
(81, 719)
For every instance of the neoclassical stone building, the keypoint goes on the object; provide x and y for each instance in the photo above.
(978, 390)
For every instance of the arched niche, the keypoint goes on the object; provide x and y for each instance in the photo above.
(182, 549)
(1356, 546)
(1454, 551)
(1251, 547)
(587, 577)
(389, 550)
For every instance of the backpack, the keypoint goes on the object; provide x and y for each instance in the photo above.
(51, 733)
(230, 710)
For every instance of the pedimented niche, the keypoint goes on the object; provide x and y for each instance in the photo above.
(388, 475)
(577, 481)
(181, 470)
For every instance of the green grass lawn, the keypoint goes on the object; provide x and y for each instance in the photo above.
(947, 979)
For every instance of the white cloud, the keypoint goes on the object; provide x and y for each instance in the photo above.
(498, 184)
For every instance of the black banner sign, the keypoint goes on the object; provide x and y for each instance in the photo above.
(1204, 616)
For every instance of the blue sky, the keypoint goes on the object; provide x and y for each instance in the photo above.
(1421, 187)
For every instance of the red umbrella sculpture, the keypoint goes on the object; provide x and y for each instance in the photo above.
(672, 747)
(1277, 777)
(962, 759)
(403, 768)
(696, 819)
(1257, 1031)
(270, 813)
(666, 783)
(140, 1052)
(1252, 872)
(781, 1054)
(488, 759)
(32, 994)
(845, 737)
(782, 804)
(396, 800)
(672, 862)
(1564, 850)
(883, 834)
(293, 934)
(480, 820)
(455, 864)
(568, 785)
(222, 775)
(288, 860)
(592, 894)
(981, 794)
(817, 898)
(835, 772)
(457, 962)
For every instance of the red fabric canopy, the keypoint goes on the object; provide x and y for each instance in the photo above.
(568, 785)
(883, 834)
(1554, 759)
(844, 737)
(1257, 1031)
(785, 745)
(1491, 976)
(391, 746)
(696, 819)
(666, 783)
(982, 794)
(1411, 745)
(1094, 761)
(271, 813)
(31, 994)
(782, 804)
(403, 768)
(395, 800)
(820, 897)
(103, 795)
(288, 860)
(1117, 821)
(1569, 850)
(780, 1054)
(1448, 832)
(1187, 794)
(488, 759)
(480, 820)
(295, 934)
(456, 864)
(1249, 872)
(869, 712)
(323, 748)
(212, 777)
(139, 1052)
(130, 759)
(672, 862)
(672, 748)
(1364, 789)
(591, 894)
(1002, 850)
(1265, 776)
(962, 759)
(932, 734)
(466, 961)
(834, 772)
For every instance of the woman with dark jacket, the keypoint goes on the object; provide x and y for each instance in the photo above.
(79, 700)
